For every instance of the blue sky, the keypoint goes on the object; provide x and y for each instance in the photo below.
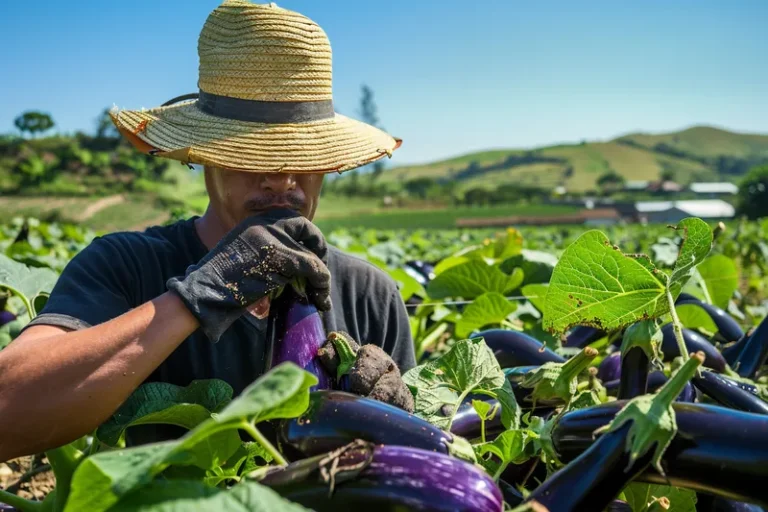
(449, 77)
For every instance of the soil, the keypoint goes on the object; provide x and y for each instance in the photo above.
(37, 488)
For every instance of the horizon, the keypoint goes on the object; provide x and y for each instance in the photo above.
(520, 76)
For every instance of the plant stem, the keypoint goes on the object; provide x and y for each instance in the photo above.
(24, 299)
(703, 285)
(259, 438)
(20, 503)
(482, 429)
(677, 327)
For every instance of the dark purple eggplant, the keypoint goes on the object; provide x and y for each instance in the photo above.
(467, 424)
(717, 450)
(634, 373)
(731, 352)
(296, 333)
(511, 495)
(336, 418)
(610, 367)
(513, 348)
(385, 478)
(656, 379)
(728, 392)
(581, 336)
(618, 506)
(707, 503)
(6, 317)
(694, 342)
(727, 328)
(754, 353)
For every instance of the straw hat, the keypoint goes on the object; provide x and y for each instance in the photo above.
(264, 104)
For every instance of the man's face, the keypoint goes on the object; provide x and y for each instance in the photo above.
(236, 195)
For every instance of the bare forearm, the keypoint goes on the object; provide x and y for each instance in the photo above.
(58, 388)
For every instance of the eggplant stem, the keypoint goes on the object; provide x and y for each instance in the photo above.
(677, 327)
(19, 502)
(703, 285)
(259, 438)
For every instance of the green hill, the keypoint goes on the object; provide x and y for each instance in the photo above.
(696, 154)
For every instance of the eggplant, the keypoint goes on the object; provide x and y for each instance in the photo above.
(727, 328)
(717, 450)
(656, 379)
(694, 342)
(511, 495)
(296, 333)
(6, 317)
(610, 367)
(707, 503)
(514, 348)
(582, 335)
(336, 418)
(467, 424)
(634, 373)
(754, 353)
(362, 476)
(618, 506)
(731, 352)
(728, 392)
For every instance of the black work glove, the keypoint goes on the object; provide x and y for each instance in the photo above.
(260, 255)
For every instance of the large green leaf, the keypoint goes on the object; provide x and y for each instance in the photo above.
(161, 402)
(104, 478)
(488, 309)
(596, 284)
(406, 283)
(472, 279)
(26, 281)
(537, 266)
(192, 496)
(638, 496)
(468, 367)
(510, 447)
(696, 244)
(537, 294)
(693, 316)
(721, 278)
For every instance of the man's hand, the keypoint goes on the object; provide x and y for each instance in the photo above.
(371, 371)
(260, 255)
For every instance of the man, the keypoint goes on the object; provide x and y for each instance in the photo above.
(188, 301)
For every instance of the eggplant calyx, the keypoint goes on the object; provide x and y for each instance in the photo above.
(558, 380)
(652, 417)
(646, 336)
(461, 449)
(659, 504)
(346, 351)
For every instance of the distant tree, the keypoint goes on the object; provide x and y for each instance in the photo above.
(667, 175)
(610, 181)
(33, 122)
(418, 187)
(369, 114)
(753, 193)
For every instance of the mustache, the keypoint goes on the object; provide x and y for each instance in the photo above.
(294, 200)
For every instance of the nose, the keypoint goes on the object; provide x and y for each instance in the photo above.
(278, 182)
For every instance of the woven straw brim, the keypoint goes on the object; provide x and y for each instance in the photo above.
(185, 133)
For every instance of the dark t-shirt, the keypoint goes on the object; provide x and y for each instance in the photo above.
(121, 271)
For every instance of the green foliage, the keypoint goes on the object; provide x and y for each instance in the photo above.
(753, 191)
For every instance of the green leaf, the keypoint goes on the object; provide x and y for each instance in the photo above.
(694, 316)
(472, 279)
(161, 402)
(558, 380)
(638, 496)
(28, 282)
(192, 496)
(407, 285)
(537, 266)
(509, 446)
(645, 335)
(102, 479)
(721, 278)
(488, 309)
(536, 293)
(469, 366)
(595, 284)
(696, 244)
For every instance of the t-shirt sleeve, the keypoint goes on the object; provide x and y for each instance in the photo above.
(398, 341)
(92, 289)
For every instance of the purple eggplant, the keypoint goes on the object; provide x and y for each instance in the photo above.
(6, 317)
(362, 476)
(581, 336)
(610, 367)
(728, 329)
(466, 422)
(731, 351)
(707, 503)
(296, 332)
(694, 342)
(336, 418)
(728, 392)
(656, 379)
(754, 353)
(513, 348)
(618, 506)
(511, 495)
(634, 373)
(717, 450)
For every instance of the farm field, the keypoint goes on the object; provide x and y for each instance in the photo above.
(531, 323)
